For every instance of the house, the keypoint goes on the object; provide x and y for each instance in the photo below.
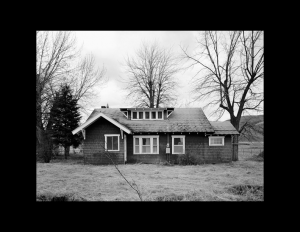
(152, 135)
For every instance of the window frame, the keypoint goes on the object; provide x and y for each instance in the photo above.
(178, 136)
(140, 137)
(112, 135)
(155, 112)
(213, 145)
(144, 114)
(137, 115)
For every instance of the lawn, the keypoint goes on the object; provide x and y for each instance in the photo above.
(208, 182)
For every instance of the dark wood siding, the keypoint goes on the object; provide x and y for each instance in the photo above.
(93, 146)
(195, 145)
(198, 147)
(143, 158)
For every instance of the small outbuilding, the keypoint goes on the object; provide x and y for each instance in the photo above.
(153, 135)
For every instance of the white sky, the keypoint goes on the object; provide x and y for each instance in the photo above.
(111, 47)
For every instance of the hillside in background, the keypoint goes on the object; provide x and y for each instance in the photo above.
(258, 122)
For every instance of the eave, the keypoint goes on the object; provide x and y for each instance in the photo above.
(93, 119)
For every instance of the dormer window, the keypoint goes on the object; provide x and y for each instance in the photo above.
(147, 115)
(141, 114)
(159, 114)
(153, 115)
(134, 115)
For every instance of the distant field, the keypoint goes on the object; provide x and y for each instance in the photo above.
(208, 182)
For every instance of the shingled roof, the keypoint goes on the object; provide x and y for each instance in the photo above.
(181, 120)
(223, 128)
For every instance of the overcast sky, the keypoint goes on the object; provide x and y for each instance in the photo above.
(111, 47)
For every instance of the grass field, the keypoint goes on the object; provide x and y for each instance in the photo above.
(209, 182)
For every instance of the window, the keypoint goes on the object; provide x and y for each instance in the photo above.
(136, 145)
(178, 144)
(141, 115)
(150, 115)
(159, 114)
(153, 115)
(112, 142)
(147, 115)
(146, 144)
(134, 115)
(216, 141)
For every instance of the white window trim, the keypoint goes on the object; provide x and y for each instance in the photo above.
(108, 135)
(137, 115)
(178, 136)
(151, 144)
(162, 115)
(150, 115)
(223, 140)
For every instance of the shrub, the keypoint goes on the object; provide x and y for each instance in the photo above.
(165, 163)
(170, 197)
(186, 159)
(261, 154)
(59, 197)
(189, 196)
(251, 192)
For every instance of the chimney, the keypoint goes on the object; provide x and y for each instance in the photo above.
(103, 106)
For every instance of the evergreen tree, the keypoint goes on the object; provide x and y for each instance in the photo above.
(64, 117)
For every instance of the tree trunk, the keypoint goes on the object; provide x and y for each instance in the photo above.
(67, 151)
(235, 147)
(44, 145)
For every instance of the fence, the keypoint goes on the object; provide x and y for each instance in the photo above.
(247, 150)
(73, 151)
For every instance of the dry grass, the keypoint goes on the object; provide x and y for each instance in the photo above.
(206, 182)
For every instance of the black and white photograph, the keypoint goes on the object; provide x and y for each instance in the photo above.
(149, 116)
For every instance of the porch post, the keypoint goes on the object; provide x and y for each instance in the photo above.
(125, 148)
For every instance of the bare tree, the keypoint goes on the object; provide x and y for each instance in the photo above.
(53, 57)
(151, 81)
(54, 53)
(84, 79)
(251, 129)
(233, 65)
(56, 63)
